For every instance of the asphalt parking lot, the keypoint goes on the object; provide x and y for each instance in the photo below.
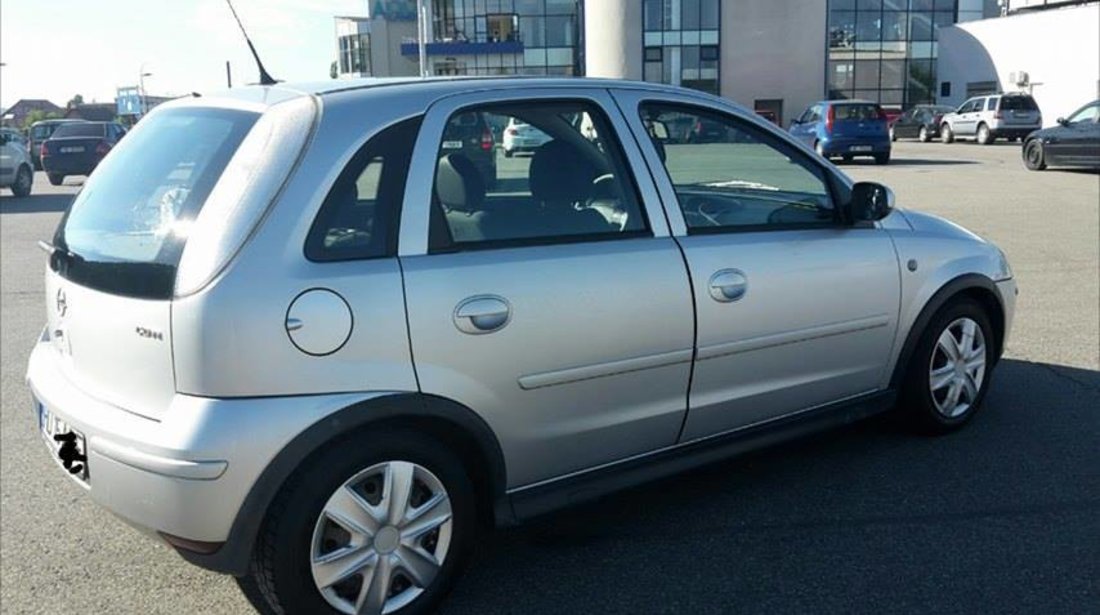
(1001, 517)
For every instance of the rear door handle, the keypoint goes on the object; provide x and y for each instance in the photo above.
(482, 314)
(728, 285)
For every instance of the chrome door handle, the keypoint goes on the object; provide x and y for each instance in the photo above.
(482, 314)
(728, 285)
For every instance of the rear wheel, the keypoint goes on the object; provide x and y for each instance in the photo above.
(882, 158)
(820, 149)
(923, 135)
(56, 179)
(948, 374)
(1034, 156)
(985, 137)
(508, 153)
(383, 524)
(23, 181)
(946, 135)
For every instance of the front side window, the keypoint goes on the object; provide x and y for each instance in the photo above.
(555, 174)
(739, 177)
(1087, 115)
(359, 217)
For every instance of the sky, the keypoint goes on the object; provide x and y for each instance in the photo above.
(55, 49)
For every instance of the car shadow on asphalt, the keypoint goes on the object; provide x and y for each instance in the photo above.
(35, 204)
(822, 512)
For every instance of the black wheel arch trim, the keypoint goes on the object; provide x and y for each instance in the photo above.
(233, 556)
(940, 298)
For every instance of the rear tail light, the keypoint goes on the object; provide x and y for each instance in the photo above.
(881, 114)
(102, 148)
(42, 150)
(1000, 115)
(487, 140)
(830, 117)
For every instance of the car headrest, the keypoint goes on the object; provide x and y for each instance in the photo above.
(560, 174)
(458, 183)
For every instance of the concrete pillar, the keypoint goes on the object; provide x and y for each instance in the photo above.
(613, 39)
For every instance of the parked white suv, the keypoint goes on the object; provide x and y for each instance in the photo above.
(298, 337)
(16, 171)
(988, 118)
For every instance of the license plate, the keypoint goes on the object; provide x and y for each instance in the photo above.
(452, 145)
(72, 150)
(66, 444)
(860, 148)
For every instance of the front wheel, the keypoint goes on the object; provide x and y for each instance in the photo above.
(56, 179)
(946, 135)
(381, 524)
(923, 135)
(1034, 156)
(985, 137)
(948, 374)
(23, 181)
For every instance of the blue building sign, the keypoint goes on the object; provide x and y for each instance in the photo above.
(394, 10)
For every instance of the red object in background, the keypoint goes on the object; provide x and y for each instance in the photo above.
(102, 149)
(891, 115)
(830, 117)
(768, 115)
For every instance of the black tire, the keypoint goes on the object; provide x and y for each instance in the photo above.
(847, 158)
(1034, 157)
(916, 401)
(984, 135)
(509, 153)
(946, 135)
(280, 580)
(922, 136)
(882, 158)
(56, 179)
(820, 150)
(24, 179)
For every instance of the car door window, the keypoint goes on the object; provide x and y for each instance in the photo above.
(566, 182)
(359, 216)
(743, 180)
(1087, 115)
(991, 104)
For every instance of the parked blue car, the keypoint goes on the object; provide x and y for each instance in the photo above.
(845, 128)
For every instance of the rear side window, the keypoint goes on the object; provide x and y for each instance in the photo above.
(126, 230)
(79, 130)
(359, 218)
(991, 104)
(857, 112)
(1018, 103)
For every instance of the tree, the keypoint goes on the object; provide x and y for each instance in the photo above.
(75, 101)
(37, 116)
(332, 72)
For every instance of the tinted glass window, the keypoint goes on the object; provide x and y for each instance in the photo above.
(80, 130)
(359, 217)
(739, 177)
(1089, 114)
(991, 104)
(1018, 103)
(564, 180)
(127, 228)
(857, 112)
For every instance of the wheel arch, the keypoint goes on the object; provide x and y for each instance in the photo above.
(971, 285)
(453, 424)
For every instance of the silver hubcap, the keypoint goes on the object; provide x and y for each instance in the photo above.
(957, 369)
(381, 538)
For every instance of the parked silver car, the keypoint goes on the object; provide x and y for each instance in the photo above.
(297, 338)
(16, 172)
(988, 118)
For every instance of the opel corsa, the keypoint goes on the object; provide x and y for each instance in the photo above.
(293, 333)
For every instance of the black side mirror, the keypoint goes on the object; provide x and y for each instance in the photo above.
(1062, 121)
(870, 201)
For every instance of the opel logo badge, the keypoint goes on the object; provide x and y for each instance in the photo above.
(62, 304)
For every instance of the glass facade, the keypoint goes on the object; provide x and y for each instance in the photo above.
(681, 43)
(547, 33)
(885, 50)
(355, 54)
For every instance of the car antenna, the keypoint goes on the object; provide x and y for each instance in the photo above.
(265, 79)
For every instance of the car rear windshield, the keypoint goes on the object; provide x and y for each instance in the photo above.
(79, 130)
(125, 231)
(857, 112)
(1018, 103)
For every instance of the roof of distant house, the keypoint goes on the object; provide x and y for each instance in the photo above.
(95, 112)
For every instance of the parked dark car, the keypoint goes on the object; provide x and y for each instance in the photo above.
(471, 135)
(76, 148)
(1074, 142)
(37, 135)
(706, 131)
(922, 122)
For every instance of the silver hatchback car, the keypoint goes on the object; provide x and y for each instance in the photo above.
(293, 332)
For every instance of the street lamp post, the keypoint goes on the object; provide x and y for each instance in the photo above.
(141, 87)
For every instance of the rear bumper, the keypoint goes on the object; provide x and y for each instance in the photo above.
(1012, 132)
(852, 146)
(188, 474)
(69, 165)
